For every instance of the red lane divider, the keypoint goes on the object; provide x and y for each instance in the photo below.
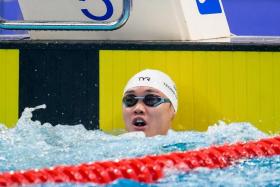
(146, 169)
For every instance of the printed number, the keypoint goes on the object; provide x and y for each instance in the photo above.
(106, 16)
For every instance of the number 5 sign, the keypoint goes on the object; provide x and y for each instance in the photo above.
(108, 14)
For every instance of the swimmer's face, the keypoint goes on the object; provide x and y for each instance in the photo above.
(151, 120)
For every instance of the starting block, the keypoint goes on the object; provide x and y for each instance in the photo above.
(149, 19)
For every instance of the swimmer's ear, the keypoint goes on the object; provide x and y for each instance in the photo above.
(173, 112)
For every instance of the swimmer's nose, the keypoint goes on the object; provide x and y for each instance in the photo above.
(139, 108)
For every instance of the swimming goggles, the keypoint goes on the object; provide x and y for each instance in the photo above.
(149, 100)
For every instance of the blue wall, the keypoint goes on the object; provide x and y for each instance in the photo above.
(9, 10)
(245, 17)
(253, 17)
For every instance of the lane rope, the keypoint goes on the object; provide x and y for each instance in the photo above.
(146, 169)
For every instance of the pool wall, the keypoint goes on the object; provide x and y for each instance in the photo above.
(9, 72)
(82, 81)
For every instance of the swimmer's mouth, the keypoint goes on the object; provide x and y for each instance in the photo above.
(139, 122)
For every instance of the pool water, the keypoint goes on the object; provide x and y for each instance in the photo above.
(34, 145)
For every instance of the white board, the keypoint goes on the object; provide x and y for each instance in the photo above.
(149, 19)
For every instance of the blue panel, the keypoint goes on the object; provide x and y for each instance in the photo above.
(253, 17)
(9, 10)
(209, 6)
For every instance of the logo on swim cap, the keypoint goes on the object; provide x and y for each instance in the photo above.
(144, 78)
(170, 88)
(155, 79)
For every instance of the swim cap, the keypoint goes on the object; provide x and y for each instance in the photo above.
(155, 79)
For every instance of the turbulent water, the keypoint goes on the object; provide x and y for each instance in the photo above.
(34, 145)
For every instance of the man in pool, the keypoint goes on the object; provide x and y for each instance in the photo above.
(149, 103)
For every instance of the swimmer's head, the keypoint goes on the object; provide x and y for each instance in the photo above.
(149, 102)
(157, 80)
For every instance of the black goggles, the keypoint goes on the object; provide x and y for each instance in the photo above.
(149, 100)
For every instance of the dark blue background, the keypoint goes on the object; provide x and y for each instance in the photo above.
(245, 17)
(253, 17)
(10, 11)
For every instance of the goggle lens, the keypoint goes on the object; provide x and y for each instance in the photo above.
(130, 100)
(149, 100)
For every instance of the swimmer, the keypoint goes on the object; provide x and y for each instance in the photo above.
(149, 103)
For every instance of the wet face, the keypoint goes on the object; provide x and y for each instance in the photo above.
(151, 120)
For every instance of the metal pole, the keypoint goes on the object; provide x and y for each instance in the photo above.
(71, 26)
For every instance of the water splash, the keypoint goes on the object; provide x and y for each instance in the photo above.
(27, 115)
(32, 144)
(230, 133)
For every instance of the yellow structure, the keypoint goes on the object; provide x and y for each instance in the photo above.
(9, 83)
(212, 85)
